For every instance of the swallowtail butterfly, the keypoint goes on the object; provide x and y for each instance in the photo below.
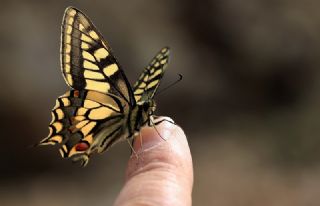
(101, 108)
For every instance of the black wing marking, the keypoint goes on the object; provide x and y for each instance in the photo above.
(149, 80)
(78, 117)
(87, 61)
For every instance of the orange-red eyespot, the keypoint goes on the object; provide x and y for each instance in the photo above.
(76, 93)
(81, 146)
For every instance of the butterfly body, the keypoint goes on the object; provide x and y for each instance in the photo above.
(101, 108)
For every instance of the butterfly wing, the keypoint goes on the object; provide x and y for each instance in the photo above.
(79, 117)
(91, 117)
(87, 61)
(149, 80)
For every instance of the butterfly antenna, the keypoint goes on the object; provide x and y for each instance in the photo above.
(170, 85)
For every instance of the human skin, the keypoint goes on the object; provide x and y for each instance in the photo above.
(160, 171)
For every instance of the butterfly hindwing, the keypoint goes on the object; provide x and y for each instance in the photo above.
(87, 61)
(79, 116)
(149, 80)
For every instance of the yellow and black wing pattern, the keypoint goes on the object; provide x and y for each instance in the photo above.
(79, 116)
(100, 95)
(86, 59)
(101, 108)
(149, 80)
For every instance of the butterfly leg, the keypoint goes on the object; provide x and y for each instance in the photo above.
(154, 124)
(162, 120)
(140, 137)
(132, 149)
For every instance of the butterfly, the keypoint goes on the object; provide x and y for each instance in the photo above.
(101, 107)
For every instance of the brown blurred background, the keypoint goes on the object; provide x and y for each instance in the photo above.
(249, 100)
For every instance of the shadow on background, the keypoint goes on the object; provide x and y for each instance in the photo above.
(249, 100)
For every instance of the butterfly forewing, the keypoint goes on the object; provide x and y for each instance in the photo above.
(87, 61)
(149, 80)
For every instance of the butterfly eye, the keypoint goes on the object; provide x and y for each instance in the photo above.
(82, 146)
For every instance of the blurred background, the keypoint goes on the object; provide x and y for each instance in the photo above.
(248, 102)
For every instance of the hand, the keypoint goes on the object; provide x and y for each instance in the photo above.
(160, 173)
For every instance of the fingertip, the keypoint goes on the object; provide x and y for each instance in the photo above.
(160, 170)
(164, 144)
(151, 136)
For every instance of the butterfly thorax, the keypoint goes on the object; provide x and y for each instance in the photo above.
(141, 114)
